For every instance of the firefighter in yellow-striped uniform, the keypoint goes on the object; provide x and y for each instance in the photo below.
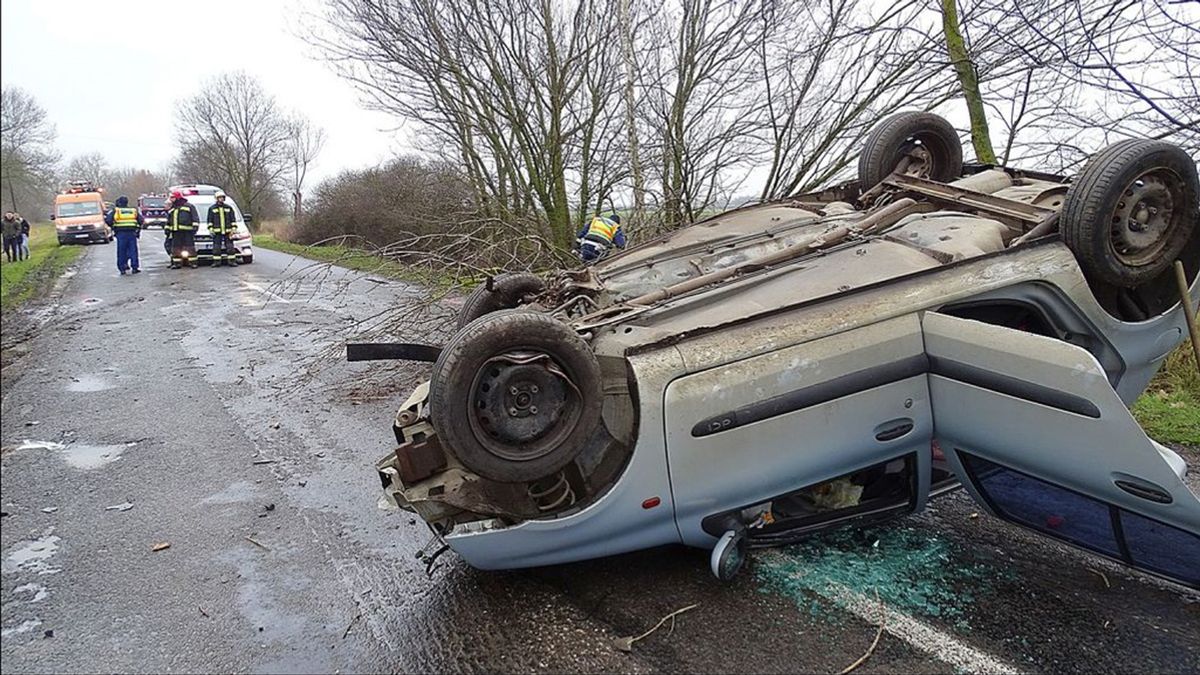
(127, 226)
(222, 225)
(182, 223)
(600, 235)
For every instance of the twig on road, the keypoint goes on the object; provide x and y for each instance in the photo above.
(1102, 575)
(351, 625)
(874, 643)
(257, 543)
(625, 644)
(202, 612)
(264, 461)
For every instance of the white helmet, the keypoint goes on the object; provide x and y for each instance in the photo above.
(218, 193)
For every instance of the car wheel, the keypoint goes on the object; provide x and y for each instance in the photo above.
(1131, 211)
(247, 259)
(516, 395)
(925, 144)
(507, 292)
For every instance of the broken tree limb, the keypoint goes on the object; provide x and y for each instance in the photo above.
(1186, 300)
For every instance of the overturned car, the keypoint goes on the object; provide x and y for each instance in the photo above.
(836, 357)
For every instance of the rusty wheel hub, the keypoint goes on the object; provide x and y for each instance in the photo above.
(523, 404)
(1142, 220)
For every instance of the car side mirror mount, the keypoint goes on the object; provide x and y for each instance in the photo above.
(248, 217)
(729, 555)
(52, 216)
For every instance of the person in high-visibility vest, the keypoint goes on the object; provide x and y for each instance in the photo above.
(598, 236)
(222, 225)
(127, 225)
(182, 222)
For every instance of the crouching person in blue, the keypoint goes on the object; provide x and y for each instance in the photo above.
(598, 236)
(127, 225)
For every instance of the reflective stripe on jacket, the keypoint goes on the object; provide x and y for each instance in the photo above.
(182, 217)
(221, 219)
(125, 218)
(603, 227)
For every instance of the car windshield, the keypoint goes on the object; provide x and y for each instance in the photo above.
(71, 209)
(154, 202)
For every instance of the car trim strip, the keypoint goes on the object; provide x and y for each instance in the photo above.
(816, 394)
(1011, 386)
(877, 376)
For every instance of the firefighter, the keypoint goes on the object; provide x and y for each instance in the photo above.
(222, 226)
(127, 225)
(598, 236)
(182, 223)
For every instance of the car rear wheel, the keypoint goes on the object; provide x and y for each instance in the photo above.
(915, 144)
(247, 259)
(1131, 211)
(516, 395)
(507, 292)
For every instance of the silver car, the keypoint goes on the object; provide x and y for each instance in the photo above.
(832, 358)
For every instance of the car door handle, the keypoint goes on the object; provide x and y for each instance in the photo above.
(890, 431)
(1145, 491)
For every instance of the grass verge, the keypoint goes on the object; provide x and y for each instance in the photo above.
(24, 279)
(364, 261)
(1169, 410)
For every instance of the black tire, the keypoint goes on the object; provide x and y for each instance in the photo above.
(474, 398)
(508, 291)
(1105, 205)
(247, 259)
(898, 135)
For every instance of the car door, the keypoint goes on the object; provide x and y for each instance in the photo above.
(1041, 439)
(832, 409)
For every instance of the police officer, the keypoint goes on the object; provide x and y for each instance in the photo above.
(127, 225)
(598, 236)
(182, 222)
(222, 226)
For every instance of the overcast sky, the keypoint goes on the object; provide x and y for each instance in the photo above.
(108, 73)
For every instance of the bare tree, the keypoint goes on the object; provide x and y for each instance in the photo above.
(27, 154)
(304, 143)
(702, 102)
(520, 92)
(88, 166)
(829, 71)
(233, 133)
(1065, 77)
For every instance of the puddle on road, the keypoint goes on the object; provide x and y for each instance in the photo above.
(23, 627)
(38, 592)
(93, 456)
(89, 383)
(80, 455)
(33, 556)
(911, 570)
(234, 493)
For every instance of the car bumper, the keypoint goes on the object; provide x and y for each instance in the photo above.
(204, 248)
(81, 236)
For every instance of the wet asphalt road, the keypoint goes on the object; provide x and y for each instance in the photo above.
(209, 409)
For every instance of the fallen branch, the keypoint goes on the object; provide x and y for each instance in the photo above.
(257, 543)
(870, 650)
(874, 643)
(625, 644)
